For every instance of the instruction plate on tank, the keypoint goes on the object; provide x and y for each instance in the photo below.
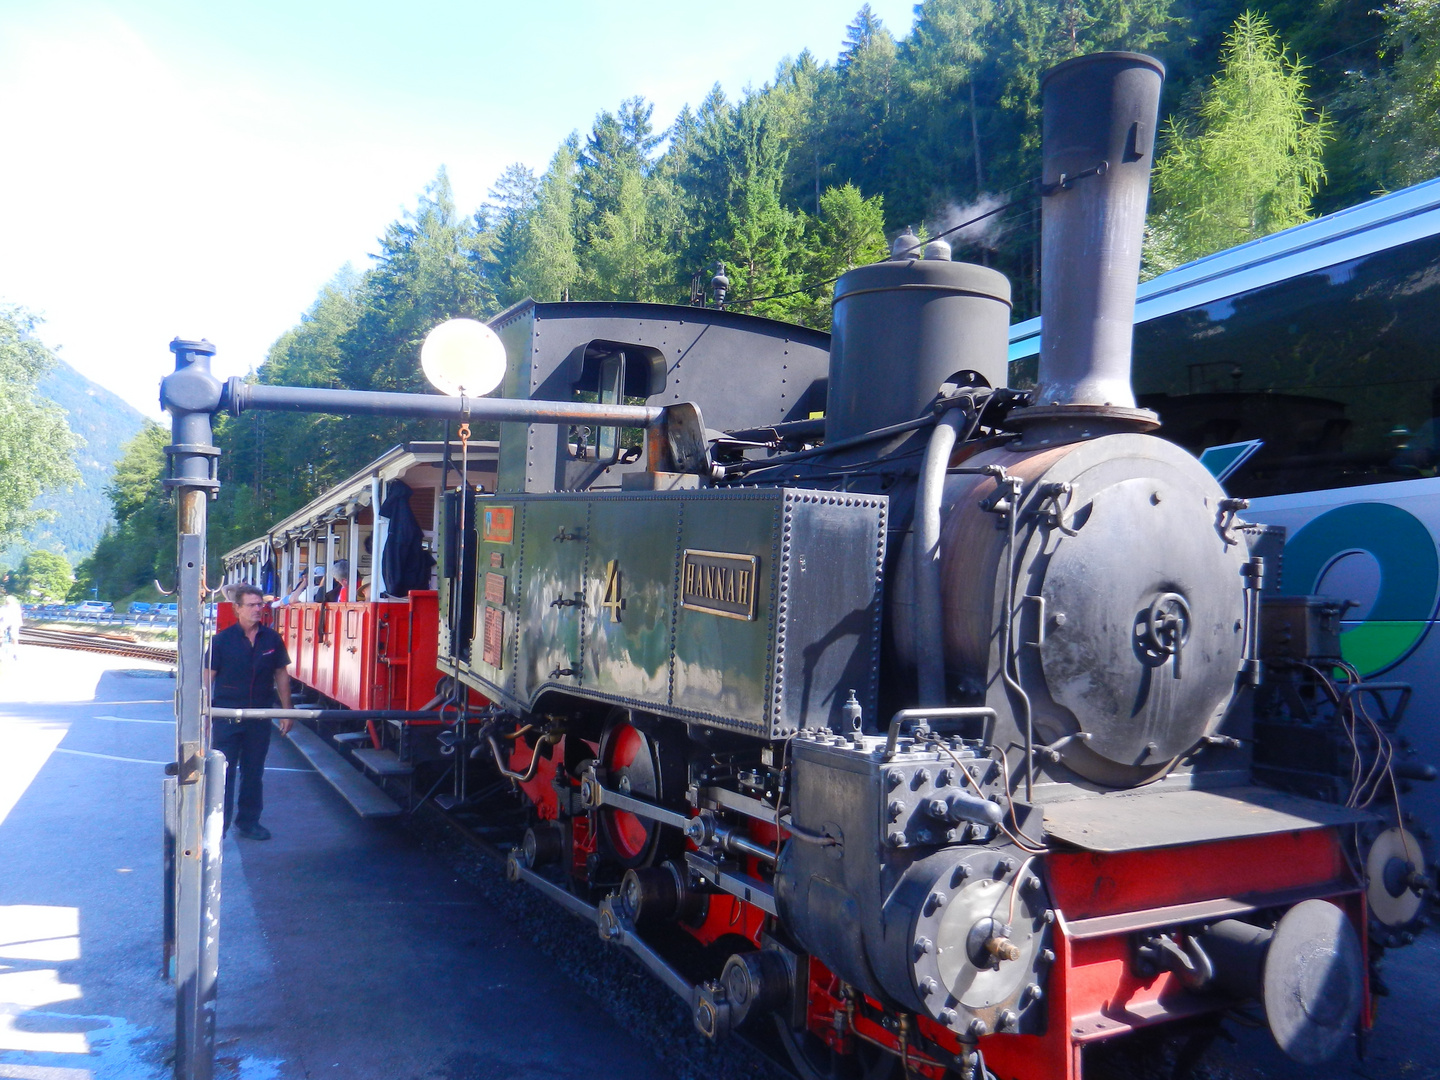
(499, 524)
(494, 641)
(719, 582)
(495, 588)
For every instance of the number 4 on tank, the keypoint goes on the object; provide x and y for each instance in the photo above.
(613, 601)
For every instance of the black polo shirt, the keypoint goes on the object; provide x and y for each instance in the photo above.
(245, 673)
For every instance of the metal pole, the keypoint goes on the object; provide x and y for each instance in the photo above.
(325, 714)
(352, 552)
(167, 952)
(208, 970)
(377, 539)
(240, 396)
(192, 394)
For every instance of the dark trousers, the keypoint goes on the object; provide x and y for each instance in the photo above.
(244, 744)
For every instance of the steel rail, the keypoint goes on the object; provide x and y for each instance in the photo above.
(63, 639)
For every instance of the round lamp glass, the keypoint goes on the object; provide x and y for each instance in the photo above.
(463, 357)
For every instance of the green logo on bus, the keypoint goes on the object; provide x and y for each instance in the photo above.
(1409, 577)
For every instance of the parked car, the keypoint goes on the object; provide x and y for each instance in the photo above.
(139, 607)
(167, 609)
(95, 607)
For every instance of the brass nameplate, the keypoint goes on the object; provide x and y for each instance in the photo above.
(719, 582)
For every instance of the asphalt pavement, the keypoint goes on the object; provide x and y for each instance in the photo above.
(347, 951)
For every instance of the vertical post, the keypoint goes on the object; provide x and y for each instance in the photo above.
(208, 969)
(192, 394)
(378, 532)
(352, 552)
(167, 951)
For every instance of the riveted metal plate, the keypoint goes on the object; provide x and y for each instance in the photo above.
(627, 599)
(597, 588)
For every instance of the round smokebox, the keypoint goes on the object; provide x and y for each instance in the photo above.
(901, 329)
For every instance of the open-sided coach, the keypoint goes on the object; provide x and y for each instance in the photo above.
(246, 669)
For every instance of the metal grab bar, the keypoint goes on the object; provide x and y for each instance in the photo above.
(978, 712)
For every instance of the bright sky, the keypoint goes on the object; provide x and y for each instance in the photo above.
(201, 170)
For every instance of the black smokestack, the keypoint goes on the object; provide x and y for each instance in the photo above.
(1098, 144)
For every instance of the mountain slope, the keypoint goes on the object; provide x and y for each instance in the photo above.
(104, 423)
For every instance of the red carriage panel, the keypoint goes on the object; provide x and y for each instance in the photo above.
(391, 670)
(422, 674)
(323, 675)
(354, 657)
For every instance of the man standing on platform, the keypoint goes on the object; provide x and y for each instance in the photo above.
(247, 669)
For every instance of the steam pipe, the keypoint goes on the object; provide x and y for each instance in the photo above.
(929, 604)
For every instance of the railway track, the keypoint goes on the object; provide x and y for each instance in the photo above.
(111, 645)
(650, 1011)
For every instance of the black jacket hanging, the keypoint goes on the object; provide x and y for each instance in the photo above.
(405, 563)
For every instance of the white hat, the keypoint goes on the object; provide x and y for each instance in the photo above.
(317, 571)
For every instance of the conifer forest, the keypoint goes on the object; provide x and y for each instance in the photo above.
(1274, 112)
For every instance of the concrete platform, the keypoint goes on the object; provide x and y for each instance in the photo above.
(346, 951)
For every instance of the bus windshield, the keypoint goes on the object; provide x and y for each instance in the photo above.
(1336, 372)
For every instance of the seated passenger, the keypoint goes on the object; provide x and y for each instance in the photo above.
(339, 591)
(298, 595)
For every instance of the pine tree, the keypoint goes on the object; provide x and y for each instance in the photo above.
(697, 165)
(624, 261)
(860, 36)
(848, 232)
(860, 107)
(943, 56)
(795, 111)
(276, 462)
(1400, 127)
(430, 268)
(1250, 162)
(548, 267)
(617, 142)
(762, 249)
(506, 215)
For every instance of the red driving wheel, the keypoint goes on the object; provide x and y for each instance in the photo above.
(628, 758)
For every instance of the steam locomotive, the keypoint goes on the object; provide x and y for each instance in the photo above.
(932, 723)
